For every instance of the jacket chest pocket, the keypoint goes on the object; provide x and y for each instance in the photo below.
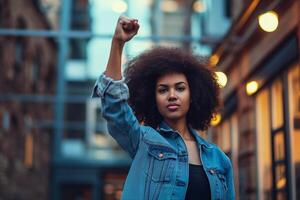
(219, 183)
(161, 163)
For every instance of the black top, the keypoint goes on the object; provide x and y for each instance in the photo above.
(198, 187)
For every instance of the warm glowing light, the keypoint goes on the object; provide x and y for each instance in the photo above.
(251, 87)
(281, 183)
(268, 21)
(222, 79)
(147, 2)
(199, 6)
(28, 158)
(119, 6)
(214, 59)
(169, 6)
(216, 120)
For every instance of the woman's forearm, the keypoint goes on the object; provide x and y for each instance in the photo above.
(113, 68)
(126, 29)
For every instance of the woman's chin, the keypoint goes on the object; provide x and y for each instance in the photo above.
(173, 117)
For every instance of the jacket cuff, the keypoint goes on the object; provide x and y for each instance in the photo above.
(106, 85)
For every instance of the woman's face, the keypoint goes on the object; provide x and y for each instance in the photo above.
(172, 96)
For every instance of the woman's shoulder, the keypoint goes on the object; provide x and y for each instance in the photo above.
(152, 135)
(223, 156)
(218, 153)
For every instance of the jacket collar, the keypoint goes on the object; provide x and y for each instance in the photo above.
(165, 129)
(168, 131)
(199, 139)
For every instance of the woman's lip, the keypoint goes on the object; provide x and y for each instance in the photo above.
(172, 107)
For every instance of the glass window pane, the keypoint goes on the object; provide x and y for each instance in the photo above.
(75, 124)
(280, 177)
(156, 18)
(87, 59)
(100, 17)
(294, 118)
(264, 144)
(136, 47)
(81, 19)
(201, 49)
(145, 12)
(78, 48)
(279, 146)
(74, 130)
(96, 127)
(277, 104)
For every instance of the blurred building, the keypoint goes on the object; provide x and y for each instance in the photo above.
(28, 67)
(259, 128)
(53, 141)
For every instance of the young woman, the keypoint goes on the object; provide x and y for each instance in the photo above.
(172, 93)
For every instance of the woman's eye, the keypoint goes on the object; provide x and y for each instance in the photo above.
(180, 89)
(162, 90)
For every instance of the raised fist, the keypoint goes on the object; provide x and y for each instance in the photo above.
(126, 28)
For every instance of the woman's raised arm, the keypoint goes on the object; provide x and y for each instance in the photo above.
(121, 121)
(126, 29)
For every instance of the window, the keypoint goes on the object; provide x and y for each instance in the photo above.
(5, 119)
(19, 53)
(20, 44)
(277, 105)
(271, 140)
(96, 130)
(294, 119)
(80, 13)
(264, 154)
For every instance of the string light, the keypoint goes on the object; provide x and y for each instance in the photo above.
(251, 87)
(268, 21)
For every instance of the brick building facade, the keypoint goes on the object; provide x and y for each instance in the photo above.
(27, 70)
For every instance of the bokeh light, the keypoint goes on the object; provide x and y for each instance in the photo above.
(268, 21)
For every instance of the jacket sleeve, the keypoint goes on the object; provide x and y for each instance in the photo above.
(121, 122)
(230, 181)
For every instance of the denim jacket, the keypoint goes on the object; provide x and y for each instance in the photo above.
(160, 168)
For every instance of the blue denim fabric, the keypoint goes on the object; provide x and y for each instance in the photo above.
(159, 168)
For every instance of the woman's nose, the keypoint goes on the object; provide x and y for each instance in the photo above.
(172, 95)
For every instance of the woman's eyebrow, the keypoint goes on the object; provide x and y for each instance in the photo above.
(162, 85)
(178, 83)
(166, 85)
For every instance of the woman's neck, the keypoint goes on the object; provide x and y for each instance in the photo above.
(181, 127)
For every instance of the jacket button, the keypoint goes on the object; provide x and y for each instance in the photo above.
(161, 155)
